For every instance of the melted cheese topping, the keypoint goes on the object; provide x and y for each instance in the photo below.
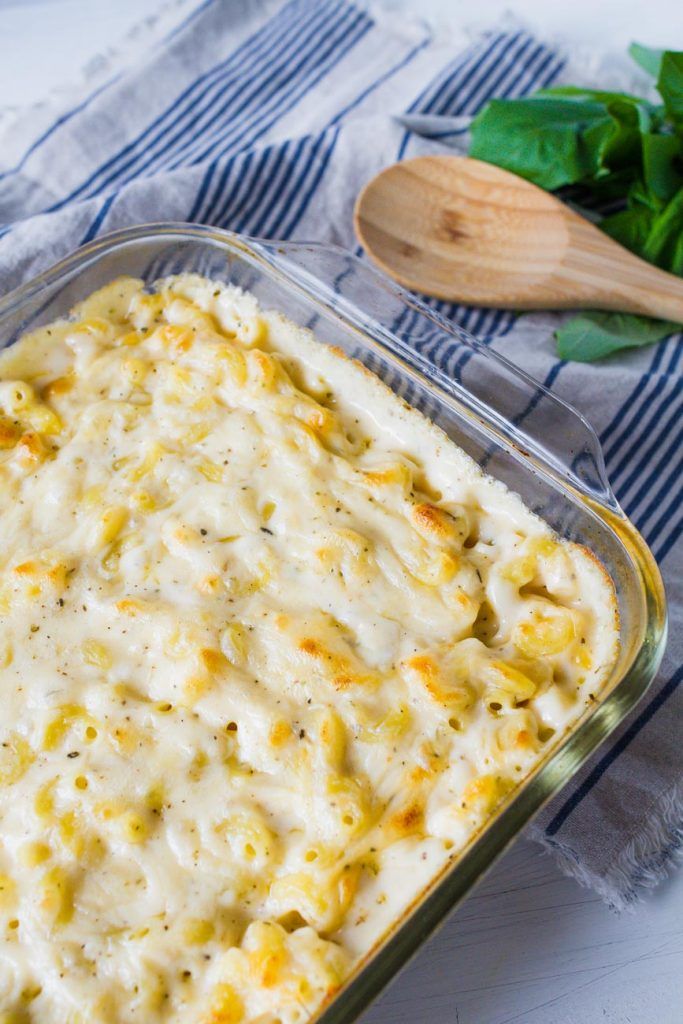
(272, 649)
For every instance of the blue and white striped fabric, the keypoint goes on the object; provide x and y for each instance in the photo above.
(267, 119)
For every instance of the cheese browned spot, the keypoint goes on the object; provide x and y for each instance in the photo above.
(272, 649)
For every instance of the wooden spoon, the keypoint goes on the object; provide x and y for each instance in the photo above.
(464, 230)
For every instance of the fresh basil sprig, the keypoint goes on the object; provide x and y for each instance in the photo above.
(614, 146)
(650, 60)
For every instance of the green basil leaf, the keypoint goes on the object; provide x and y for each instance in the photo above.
(649, 59)
(654, 233)
(590, 336)
(640, 195)
(652, 114)
(631, 228)
(662, 165)
(664, 244)
(631, 121)
(596, 95)
(547, 140)
(670, 86)
(614, 184)
(565, 138)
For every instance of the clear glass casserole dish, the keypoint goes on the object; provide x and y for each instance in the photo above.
(513, 427)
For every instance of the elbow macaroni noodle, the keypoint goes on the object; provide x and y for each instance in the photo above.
(272, 650)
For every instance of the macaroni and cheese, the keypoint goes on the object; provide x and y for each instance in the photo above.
(272, 649)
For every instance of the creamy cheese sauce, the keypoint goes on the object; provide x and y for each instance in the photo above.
(272, 649)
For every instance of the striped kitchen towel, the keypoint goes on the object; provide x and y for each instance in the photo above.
(267, 118)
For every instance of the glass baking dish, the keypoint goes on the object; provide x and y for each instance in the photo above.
(512, 426)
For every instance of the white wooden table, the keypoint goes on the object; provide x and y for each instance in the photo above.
(533, 947)
(529, 945)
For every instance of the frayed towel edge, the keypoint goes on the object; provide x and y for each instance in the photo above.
(650, 856)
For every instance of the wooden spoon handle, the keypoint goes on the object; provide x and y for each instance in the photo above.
(607, 276)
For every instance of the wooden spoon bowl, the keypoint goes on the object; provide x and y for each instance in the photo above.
(469, 232)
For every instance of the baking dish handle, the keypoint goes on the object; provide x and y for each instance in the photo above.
(527, 417)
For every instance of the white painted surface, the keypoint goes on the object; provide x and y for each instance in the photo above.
(529, 945)
(43, 42)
